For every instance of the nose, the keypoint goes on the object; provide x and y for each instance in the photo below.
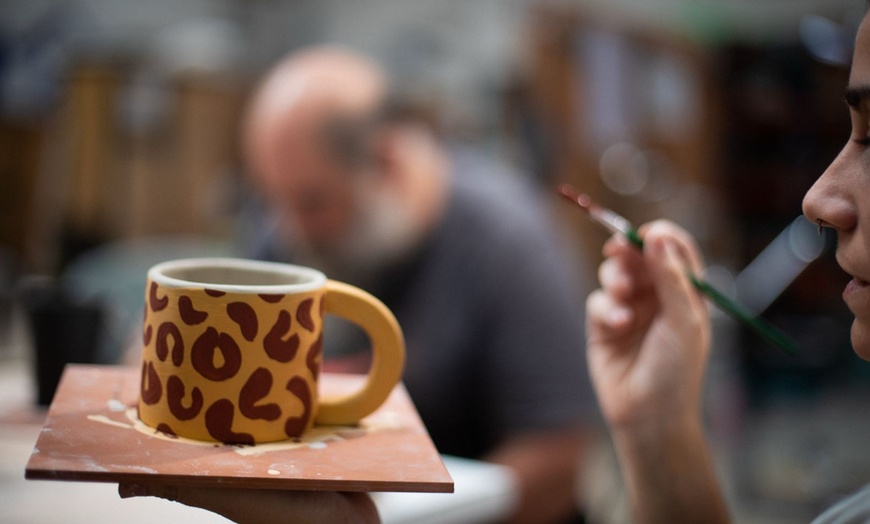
(830, 199)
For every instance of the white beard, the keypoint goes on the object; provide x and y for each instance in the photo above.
(383, 232)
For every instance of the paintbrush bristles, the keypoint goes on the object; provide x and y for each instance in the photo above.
(601, 216)
(596, 212)
(581, 199)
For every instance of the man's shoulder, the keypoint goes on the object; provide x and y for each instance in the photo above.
(491, 195)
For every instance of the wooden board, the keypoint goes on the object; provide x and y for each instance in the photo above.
(92, 433)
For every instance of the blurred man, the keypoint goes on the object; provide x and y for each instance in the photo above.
(462, 254)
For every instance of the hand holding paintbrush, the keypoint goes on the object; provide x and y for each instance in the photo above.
(619, 225)
(648, 345)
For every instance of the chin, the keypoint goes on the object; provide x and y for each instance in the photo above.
(861, 339)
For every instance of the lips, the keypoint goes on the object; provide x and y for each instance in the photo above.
(856, 295)
(856, 288)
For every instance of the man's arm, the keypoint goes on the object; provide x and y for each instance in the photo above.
(546, 465)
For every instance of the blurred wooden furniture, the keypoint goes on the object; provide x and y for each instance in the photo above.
(87, 174)
(595, 85)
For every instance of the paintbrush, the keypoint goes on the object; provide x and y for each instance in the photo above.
(618, 225)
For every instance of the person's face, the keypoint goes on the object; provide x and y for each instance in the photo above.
(350, 217)
(305, 185)
(840, 198)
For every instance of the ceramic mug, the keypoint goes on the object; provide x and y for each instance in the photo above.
(232, 350)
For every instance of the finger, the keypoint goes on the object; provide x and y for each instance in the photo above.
(614, 279)
(683, 240)
(625, 275)
(128, 490)
(671, 254)
(606, 316)
(668, 267)
(618, 245)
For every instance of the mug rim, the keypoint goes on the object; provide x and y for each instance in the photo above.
(314, 279)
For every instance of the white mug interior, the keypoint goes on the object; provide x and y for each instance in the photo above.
(237, 275)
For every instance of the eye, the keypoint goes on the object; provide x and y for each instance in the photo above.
(860, 127)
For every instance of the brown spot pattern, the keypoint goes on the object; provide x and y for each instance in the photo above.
(161, 345)
(303, 314)
(157, 303)
(245, 316)
(166, 430)
(146, 335)
(188, 313)
(185, 401)
(219, 423)
(150, 388)
(312, 359)
(203, 353)
(276, 347)
(295, 426)
(214, 293)
(255, 389)
(175, 395)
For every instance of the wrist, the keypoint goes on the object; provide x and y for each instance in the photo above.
(653, 436)
(669, 473)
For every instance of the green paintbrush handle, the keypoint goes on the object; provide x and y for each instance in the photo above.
(767, 331)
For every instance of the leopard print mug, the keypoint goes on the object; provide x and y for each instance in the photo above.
(232, 350)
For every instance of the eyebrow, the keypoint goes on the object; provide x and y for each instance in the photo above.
(855, 96)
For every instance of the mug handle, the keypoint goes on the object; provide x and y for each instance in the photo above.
(388, 353)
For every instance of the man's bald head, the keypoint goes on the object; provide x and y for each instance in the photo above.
(307, 90)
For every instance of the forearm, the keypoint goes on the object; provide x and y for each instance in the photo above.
(669, 475)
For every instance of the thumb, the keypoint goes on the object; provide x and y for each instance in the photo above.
(129, 490)
(230, 503)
